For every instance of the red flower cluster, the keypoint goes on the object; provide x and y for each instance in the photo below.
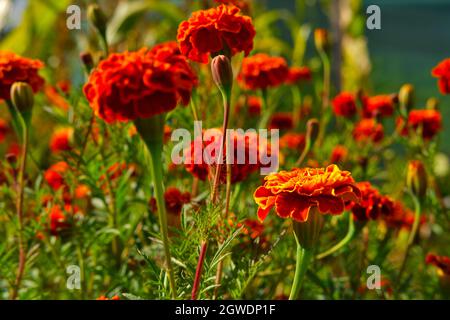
(441, 262)
(14, 68)
(428, 122)
(140, 84)
(61, 140)
(442, 72)
(368, 130)
(262, 71)
(297, 74)
(294, 141)
(382, 106)
(372, 205)
(209, 32)
(344, 105)
(54, 175)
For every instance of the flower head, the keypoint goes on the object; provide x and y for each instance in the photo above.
(441, 262)
(293, 141)
(298, 74)
(4, 129)
(216, 30)
(368, 130)
(54, 175)
(428, 122)
(131, 85)
(262, 71)
(294, 193)
(344, 105)
(442, 72)
(372, 204)
(61, 140)
(282, 121)
(339, 154)
(382, 105)
(14, 68)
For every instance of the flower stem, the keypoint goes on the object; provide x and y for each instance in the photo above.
(342, 243)
(304, 257)
(266, 111)
(325, 95)
(198, 271)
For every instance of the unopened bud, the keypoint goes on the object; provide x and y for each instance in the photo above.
(97, 18)
(222, 72)
(406, 96)
(22, 97)
(432, 104)
(312, 131)
(321, 40)
(416, 178)
(88, 61)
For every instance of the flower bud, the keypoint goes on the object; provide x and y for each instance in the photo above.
(307, 233)
(406, 96)
(321, 40)
(88, 61)
(222, 72)
(312, 131)
(416, 178)
(432, 104)
(22, 97)
(97, 18)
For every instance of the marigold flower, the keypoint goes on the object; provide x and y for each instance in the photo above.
(140, 84)
(4, 129)
(262, 71)
(401, 217)
(14, 68)
(174, 199)
(382, 105)
(254, 105)
(82, 191)
(297, 74)
(61, 140)
(442, 72)
(54, 177)
(293, 141)
(281, 121)
(294, 193)
(209, 32)
(339, 154)
(58, 220)
(116, 297)
(372, 204)
(441, 262)
(241, 4)
(368, 130)
(429, 122)
(344, 105)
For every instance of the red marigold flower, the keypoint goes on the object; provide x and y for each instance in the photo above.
(442, 72)
(14, 68)
(4, 129)
(293, 141)
(294, 193)
(250, 143)
(368, 130)
(262, 71)
(116, 297)
(297, 74)
(429, 122)
(281, 121)
(54, 177)
(241, 4)
(254, 105)
(82, 191)
(441, 262)
(174, 200)
(344, 105)
(401, 217)
(140, 84)
(58, 221)
(372, 204)
(221, 29)
(61, 140)
(382, 105)
(339, 154)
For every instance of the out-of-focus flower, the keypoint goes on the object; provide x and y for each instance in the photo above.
(441, 262)
(4, 129)
(58, 220)
(294, 193)
(401, 217)
(82, 191)
(262, 71)
(281, 121)
(427, 122)
(216, 30)
(54, 175)
(321, 40)
(140, 84)
(14, 68)
(294, 141)
(372, 204)
(298, 74)
(416, 178)
(442, 72)
(344, 105)
(174, 200)
(61, 140)
(378, 106)
(116, 297)
(339, 154)
(368, 130)
(254, 105)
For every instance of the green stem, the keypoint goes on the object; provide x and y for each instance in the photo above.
(304, 154)
(343, 242)
(304, 257)
(325, 95)
(266, 110)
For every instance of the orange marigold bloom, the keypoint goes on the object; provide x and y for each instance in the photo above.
(130, 85)
(382, 105)
(297, 74)
(254, 105)
(428, 121)
(82, 191)
(344, 105)
(4, 129)
(241, 4)
(442, 72)
(53, 175)
(58, 220)
(339, 154)
(372, 204)
(368, 130)
(262, 71)
(293, 141)
(441, 262)
(61, 140)
(14, 68)
(282, 121)
(209, 32)
(294, 193)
